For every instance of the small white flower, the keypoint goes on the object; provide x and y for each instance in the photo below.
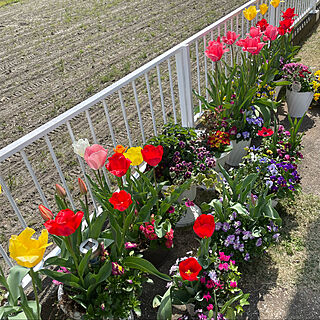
(79, 147)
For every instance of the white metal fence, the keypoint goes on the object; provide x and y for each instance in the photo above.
(140, 103)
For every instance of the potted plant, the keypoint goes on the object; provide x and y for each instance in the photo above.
(300, 93)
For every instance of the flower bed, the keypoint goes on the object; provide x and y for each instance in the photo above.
(104, 262)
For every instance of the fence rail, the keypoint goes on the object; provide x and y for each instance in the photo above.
(165, 83)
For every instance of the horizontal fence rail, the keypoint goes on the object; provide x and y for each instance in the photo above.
(128, 112)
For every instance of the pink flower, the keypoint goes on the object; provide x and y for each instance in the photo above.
(224, 266)
(207, 296)
(95, 156)
(223, 257)
(189, 203)
(287, 157)
(203, 280)
(62, 269)
(169, 237)
(252, 45)
(117, 270)
(255, 32)
(271, 33)
(210, 307)
(232, 262)
(233, 131)
(233, 284)
(171, 209)
(130, 245)
(230, 38)
(215, 50)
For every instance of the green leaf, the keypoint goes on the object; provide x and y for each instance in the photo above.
(6, 310)
(103, 274)
(30, 314)
(144, 212)
(84, 263)
(165, 309)
(61, 262)
(145, 266)
(65, 278)
(17, 273)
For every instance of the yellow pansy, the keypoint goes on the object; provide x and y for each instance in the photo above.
(317, 73)
(316, 96)
(250, 13)
(263, 8)
(134, 154)
(28, 252)
(275, 3)
(269, 151)
(0, 189)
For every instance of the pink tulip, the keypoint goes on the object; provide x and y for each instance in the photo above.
(230, 38)
(95, 156)
(252, 45)
(271, 33)
(255, 32)
(215, 50)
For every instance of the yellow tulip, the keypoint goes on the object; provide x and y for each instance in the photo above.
(250, 13)
(134, 154)
(28, 252)
(275, 3)
(263, 8)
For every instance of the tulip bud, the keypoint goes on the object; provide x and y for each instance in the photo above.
(46, 214)
(82, 187)
(60, 191)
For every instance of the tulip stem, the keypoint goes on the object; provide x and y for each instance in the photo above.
(75, 259)
(216, 304)
(156, 186)
(32, 275)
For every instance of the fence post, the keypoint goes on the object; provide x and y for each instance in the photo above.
(185, 87)
(272, 16)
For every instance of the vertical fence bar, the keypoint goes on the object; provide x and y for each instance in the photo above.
(172, 93)
(205, 65)
(150, 103)
(5, 257)
(138, 110)
(198, 74)
(82, 167)
(109, 122)
(34, 178)
(185, 86)
(12, 202)
(93, 133)
(161, 95)
(125, 117)
(62, 178)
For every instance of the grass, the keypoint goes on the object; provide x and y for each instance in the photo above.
(6, 2)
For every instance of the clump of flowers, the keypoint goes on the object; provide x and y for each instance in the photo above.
(316, 85)
(242, 239)
(299, 75)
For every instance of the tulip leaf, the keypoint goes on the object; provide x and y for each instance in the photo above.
(165, 309)
(29, 308)
(61, 262)
(6, 310)
(84, 263)
(145, 266)
(17, 273)
(103, 274)
(144, 212)
(65, 278)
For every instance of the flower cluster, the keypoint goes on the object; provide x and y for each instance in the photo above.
(299, 75)
(217, 140)
(287, 22)
(242, 239)
(316, 85)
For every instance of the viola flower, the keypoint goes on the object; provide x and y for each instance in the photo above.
(118, 164)
(207, 296)
(233, 284)
(264, 132)
(152, 155)
(215, 50)
(189, 203)
(134, 155)
(230, 38)
(130, 245)
(204, 226)
(26, 251)
(95, 156)
(263, 8)
(117, 270)
(121, 200)
(250, 13)
(259, 242)
(189, 269)
(247, 257)
(120, 149)
(223, 266)
(65, 223)
(223, 257)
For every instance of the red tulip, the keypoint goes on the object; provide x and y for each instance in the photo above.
(230, 38)
(252, 45)
(152, 155)
(65, 223)
(121, 200)
(271, 33)
(118, 165)
(82, 186)
(255, 32)
(60, 191)
(46, 214)
(289, 14)
(95, 156)
(264, 132)
(262, 24)
(204, 226)
(215, 50)
(189, 269)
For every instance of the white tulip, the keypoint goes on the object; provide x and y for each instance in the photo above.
(79, 147)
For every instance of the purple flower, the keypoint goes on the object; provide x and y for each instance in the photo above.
(189, 203)
(218, 226)
(245, 134)
(130, 245)
(225, 227)
(182, 144)
(276, 236)
(213, 276)
(269, 183)
(230, 240)
(237, 224)
(259, 242)
(247, 257)
(246, 235)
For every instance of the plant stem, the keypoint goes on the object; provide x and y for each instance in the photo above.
(216, 304)
(156, 186)
(87, 211)
(32, 275)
